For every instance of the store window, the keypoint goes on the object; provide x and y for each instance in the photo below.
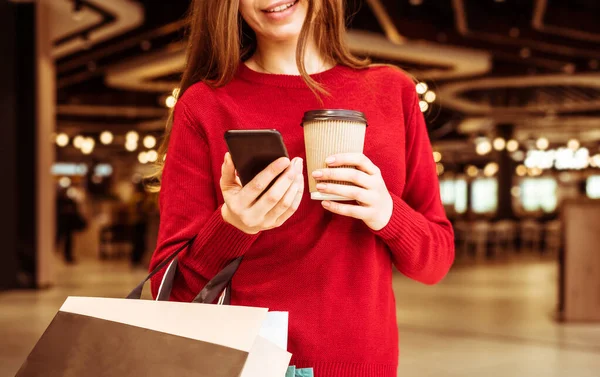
(454, 193)
(539, 194)
(484, 195)
(592, 187)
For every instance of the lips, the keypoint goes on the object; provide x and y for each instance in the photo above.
(280, 6)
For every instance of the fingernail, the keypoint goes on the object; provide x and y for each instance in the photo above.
(326, 204)
(299, 164)
(330, 160)
(321, 186)
(282, 163)
(317, 174)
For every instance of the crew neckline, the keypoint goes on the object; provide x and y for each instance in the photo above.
(285, 80)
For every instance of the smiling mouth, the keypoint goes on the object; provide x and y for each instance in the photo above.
(281, 8)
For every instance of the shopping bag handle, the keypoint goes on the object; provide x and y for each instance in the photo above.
(220, 284)
(136, 293)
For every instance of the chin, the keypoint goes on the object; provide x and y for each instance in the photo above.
(283, 33)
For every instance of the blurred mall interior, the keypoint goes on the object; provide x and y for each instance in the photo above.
(510, 90)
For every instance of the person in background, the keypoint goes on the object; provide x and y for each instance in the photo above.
(262, 64)
(68, 220)
(140, 208)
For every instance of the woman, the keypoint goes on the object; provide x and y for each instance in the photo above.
(328, 264)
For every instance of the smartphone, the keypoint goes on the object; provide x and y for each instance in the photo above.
(252, 151)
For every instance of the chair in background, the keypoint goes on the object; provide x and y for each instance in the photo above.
(553, 237)
(479, 238)
(504, 237)
(115, 241)
(461, 238)
(531, 236)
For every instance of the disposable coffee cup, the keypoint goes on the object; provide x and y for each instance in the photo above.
(327, 133)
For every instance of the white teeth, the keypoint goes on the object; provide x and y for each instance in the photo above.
(281, 7)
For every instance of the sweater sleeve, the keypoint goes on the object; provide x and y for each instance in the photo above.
(189, 207)
(419, 235)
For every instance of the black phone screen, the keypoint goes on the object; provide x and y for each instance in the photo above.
(254, 150)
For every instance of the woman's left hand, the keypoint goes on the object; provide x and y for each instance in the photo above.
(375, 204)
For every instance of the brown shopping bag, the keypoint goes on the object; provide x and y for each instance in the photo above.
(107, 337)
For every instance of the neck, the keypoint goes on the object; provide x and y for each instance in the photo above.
(279, 57)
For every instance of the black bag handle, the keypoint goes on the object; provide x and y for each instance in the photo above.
(215, 287)
(136, 293)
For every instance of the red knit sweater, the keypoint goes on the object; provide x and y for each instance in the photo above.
(331, 273)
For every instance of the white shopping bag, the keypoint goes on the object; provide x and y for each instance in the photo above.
(81, 340)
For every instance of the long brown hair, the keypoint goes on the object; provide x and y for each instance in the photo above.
(214, 51)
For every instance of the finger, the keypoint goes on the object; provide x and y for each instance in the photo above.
(294, 208)
(354, 176)
(351, 192)
(362, 162)
(255, 188)
(349, 210)
(285, 207)
(276, 193)
(228, 177)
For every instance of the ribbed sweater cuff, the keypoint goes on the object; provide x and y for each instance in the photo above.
(218, 244)
(349, 369)
(405, 229)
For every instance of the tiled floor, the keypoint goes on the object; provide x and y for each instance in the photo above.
(484, 320)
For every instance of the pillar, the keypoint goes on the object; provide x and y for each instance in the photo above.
(506, 168)
(27, 219)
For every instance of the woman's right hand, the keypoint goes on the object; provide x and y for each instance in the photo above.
(275, 207)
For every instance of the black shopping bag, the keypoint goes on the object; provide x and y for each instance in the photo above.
(108, 337)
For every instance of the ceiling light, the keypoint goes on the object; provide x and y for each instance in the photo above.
(430, 96)
(483, 146)
(542, 143)
(170, 102)
(152, 155)
(521, 170)
(78, 141)
(149, 141)
(106, 137)
(143, 157)
(518, 156)
(534, 172)
(88, 145)
(515, 191)
(499, 143)
(64, 182)
(62, 140)
(437, 156)
(472, 171)
(131, 145)
(439, 167)
(424, 106)
(573, 144)
(512, 145)
(132, 136)
(422, 88)
(490, 169)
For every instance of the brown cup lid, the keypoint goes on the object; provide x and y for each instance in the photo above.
(347, 115)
